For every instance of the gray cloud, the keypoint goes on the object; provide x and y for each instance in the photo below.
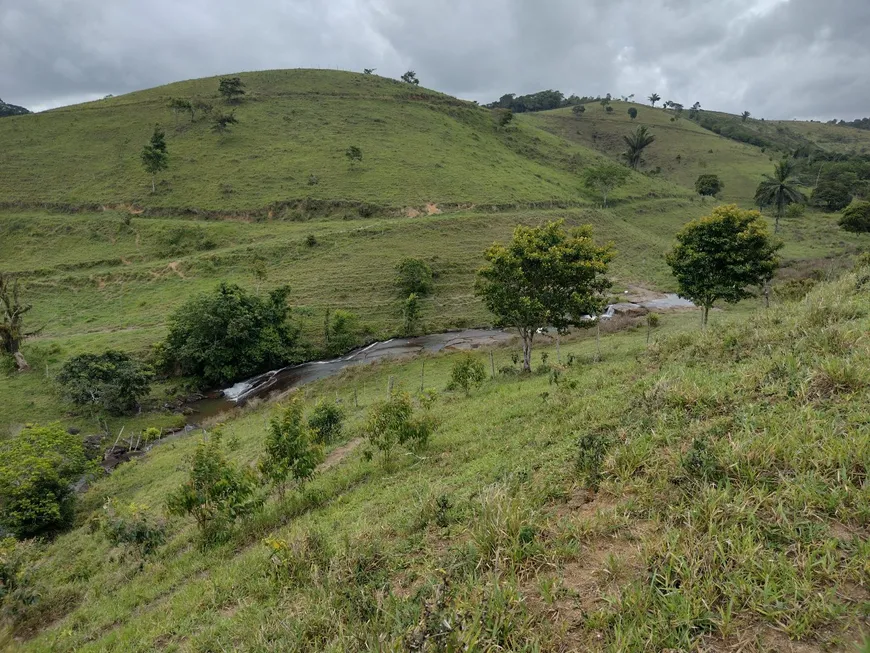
(777, 58)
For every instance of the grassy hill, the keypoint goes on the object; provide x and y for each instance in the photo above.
(706, 493)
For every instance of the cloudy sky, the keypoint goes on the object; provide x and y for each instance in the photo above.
(776, 58)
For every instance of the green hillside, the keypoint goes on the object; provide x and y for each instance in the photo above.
(418, 147)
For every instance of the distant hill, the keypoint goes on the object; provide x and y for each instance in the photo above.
(11, 110)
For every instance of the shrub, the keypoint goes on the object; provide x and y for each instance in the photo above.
(831, 194)
(132, 525)
(413, 276)
(112, 381)
(466, 373)
(393, 422)
(795, 210)
(299, 561)
(290, 449)
(343, 330)
(856, 217)
(217, 491)
(229, 334)
(410, 314)
(37, 469)
(591, 449)
(311, 240)
(326, 421)
(708, 185)
(16, 590)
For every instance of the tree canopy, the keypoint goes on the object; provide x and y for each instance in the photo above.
(155, 156)
(779, 190)
(708, 185)
(113, 381)
(545, 277)
(653, 98)
(12, 312)
(635, 144)
(605, 177)
(856, 218)
(231, 88)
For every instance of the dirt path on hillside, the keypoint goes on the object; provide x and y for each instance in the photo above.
(339, 454)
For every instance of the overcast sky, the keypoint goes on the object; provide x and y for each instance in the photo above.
(775, 58)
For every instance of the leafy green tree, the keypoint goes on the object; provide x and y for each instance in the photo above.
(410, 77)
(113, 381)
(12, 312)
(831, 193)
(354, 155)
(608, 109)
(722, 255)
(779, 191)
(217, 491)
(410, 314)
(578, 109)
(856, 218)
(467, 372)
(155, 156)
(653, 98)
(228, 334)
(413, 275)
(636, 143)
(745, 116)
(503, 116)
(231, 88)
(369, 71)
(37, 470)
(394, 422)
(544, 277)
(632, 113)
(179, 104)
(220, 122)
(708, 185)
(605, 177)
(291, 452)
(201, 106)
(326, 421)
(342, 331)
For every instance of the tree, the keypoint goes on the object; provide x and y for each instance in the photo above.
(354, 155)
(695, 110)
(832, 194)
(342, 327)
(217, 491)
(720, 256)
(578, 109)
(369, 71)
(12, 312)
(708, 185)
(605, 177)
(466, 373)
(231, 88)
(155, 157)
(326, 421)
(608, 109)
(745, 116)
(228, 334)
(856, 218)
(220, 122)
(653, 98)
(202, 106)
(503, 116)
(632, 113)
(37, 469)
(413, 275)
(290, 449)
(393, 422)
(545, 277)
(410, 77)
(410, 314)
(179, 104)
(636, 143)
(113, 381)
(779, 191)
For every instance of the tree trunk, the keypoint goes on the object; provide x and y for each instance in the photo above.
(528, 336)
(776, 223)
(605, 200)
(706, 314)
(21, 362)
(153, 184)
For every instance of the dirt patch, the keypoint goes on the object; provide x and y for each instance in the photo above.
(175, 266)
(411, 212)
(339, 454)
(432, 209)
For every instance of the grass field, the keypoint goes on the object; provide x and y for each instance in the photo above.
(728, 511)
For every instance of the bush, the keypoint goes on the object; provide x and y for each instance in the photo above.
(413, 276)
(466, 373)
(343, 331)
(217, 491)
(16, 590)
(708, 185)
(831, 194)
(112, 381)
(229, 334)
(290, 449)
(795, 211)
(326, 421)
(856, 218)
(37, 470)
(393, 422)
(132, 525)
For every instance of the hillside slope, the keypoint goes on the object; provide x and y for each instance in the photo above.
(294, 127)
(707, 493)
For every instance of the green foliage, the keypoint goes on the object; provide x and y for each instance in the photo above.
(832, 194)
(342, 332)
(180, 104)
(503, 116)
(709, 185)
(544, 277)
(592, 447)
(410, 314)
(605, 177)
(354, 155)
(12, 312)
(578, 109)
(37, 470)
(326, 421)
(410, 77)
(231, 88)
(856, 218)
(653, 98)
(291, 451)
(632, 113)
(795, 211)
(780, 190)
(635, 144)
(217, 492)
(608, 109)
(720, 256)
(113, 381)
(132, 525)
(413, 275)
(229, 334)
(155, 157)
(745, 116)
(466, 373)
(220, 122)
(395, 422)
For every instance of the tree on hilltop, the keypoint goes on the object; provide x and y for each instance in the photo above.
(231, 88)
(636, 143)
(155, 156)
(369, 71)
(779, 190)
(653, 98)
(605, 177)
(179, 104)
(410, 77)
(632, 113)
(745, 115)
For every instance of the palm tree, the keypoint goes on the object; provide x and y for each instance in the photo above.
(636, 144)
(745, 115)
(779, 191)
(655, 97)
